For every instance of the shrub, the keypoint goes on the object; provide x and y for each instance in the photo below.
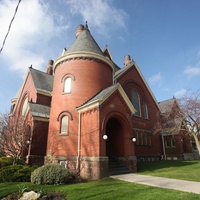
(53, 195)
(45, 196)
(51, 174)
(6, 161)
(16, 173)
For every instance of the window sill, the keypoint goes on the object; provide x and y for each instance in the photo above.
(63, 134)
(66, 93)
(168, 147)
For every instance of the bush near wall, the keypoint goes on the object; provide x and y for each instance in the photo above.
(51, 174)
(16, 173)
(6, 161)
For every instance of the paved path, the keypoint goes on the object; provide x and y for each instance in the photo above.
(186, 186)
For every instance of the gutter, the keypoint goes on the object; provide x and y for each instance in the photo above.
(163, 144)
(79, 141)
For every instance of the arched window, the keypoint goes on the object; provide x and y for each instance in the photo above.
(64, 125)
(136, 103)
(25, 107)
(67, 85)
(145, 111)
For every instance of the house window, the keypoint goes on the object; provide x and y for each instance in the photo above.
(170, 142)
(67, 85)
(137, 138)
(146, 141)
(64, 125)
(136, 103)
(173, 142)
(25, 107)
(145, 110)
(143, 137)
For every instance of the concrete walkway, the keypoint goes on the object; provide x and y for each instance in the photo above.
(186, 186)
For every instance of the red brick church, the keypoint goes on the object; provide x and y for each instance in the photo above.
(85, 111)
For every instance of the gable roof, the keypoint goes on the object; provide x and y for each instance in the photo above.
(38, 110)
(85, 43)
(107, 53)
(101, 97)
(122, 71)
(166, 106)
(43, 82)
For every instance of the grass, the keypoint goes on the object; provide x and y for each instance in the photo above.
(104, 189)
(183, 170)
(115, 189)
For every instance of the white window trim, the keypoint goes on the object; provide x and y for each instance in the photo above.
(67, 85)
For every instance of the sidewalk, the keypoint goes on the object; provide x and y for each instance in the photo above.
(186, 186)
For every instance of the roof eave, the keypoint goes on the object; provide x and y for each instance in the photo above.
(83, 54)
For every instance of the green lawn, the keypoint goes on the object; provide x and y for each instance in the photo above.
(183, 170)
(114, 189)
(105, 189)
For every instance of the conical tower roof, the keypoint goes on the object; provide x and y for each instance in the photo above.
(85, 43)
(84, 46)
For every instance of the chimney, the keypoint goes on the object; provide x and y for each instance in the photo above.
(50, 67)
(79, 30)
(127, 60)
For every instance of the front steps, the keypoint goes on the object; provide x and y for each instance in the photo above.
(116, 168)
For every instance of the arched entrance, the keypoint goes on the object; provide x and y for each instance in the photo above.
(115, 141)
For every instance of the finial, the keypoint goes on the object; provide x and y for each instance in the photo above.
(127, 60)
(86, 25)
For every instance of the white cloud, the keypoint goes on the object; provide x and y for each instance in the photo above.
(180, 93)
(194, 68)
(192, 71)
(38, 23)
(155, 78)
(31, 32)
(100, 14)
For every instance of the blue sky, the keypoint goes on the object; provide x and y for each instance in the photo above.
(161, 36)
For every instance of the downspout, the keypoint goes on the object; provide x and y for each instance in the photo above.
(30, 142)
(79, 141)
(163, 143)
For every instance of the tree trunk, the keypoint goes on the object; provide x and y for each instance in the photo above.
(197, 142)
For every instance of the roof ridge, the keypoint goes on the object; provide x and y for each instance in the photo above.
(173, 98)
(31, 68)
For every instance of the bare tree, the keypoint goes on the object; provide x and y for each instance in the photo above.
(183, 116)
(14, 136)
(190, 106)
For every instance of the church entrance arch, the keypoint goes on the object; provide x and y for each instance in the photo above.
(115, 141)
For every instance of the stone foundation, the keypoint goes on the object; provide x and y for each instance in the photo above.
(90, 168)
(130, 162)
(149, 158)
(93, 168)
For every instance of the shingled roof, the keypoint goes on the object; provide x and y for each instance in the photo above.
(166, 106)
(43, 82)
(85, 43)
(100, 95)
(106, 93)
(38, 110)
